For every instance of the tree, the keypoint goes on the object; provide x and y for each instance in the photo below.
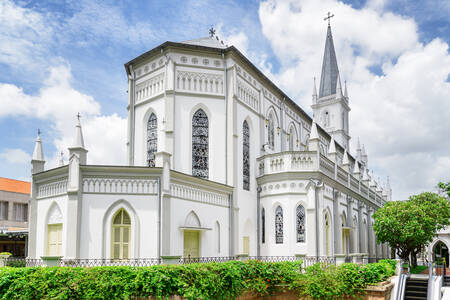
(409, 225)
(444, 188)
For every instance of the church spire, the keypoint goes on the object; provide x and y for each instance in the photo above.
(37, 161)
(78, 147)
(338, 88)
(330, 72)
(345, 89)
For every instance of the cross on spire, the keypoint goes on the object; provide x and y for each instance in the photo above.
(212, 31)
(39, 131)
(78, 116)
(328, 17)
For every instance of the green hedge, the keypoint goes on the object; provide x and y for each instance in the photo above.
(194, 281)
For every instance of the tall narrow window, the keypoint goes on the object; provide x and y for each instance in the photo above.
(291, 139)
(271, 132)
(121, 235)
(152, 139)
(246, 156)
(263, 226)
(327, 234)
(3, 210)
(300, 224)
(200, 136)
(279, 225)
(20, 212)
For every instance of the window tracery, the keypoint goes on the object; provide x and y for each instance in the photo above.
(263, 226)
(200, 140)
(271, 131)
(246, 156)
(300, 224)
(279, 225)
(152, 139)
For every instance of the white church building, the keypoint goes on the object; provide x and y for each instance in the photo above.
(221, 163)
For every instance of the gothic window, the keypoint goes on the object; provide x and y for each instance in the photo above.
(291, 139)
(200, 136)
(246, 156)
(121, 235)
(263, 225)
(279, 225)
(152, 139)
(300, 224)
(271, 131)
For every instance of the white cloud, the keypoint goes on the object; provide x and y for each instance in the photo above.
(402, 114)
(15, 156)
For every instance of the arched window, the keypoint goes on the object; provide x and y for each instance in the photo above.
(271, 131)
(54, 231)
(327, 235)
(121, 235)
(218, 236)
(300, 224)
(279, 225)
(246, 156)
(200, 139)
(291, 139)
(152, 139)
(263, 225)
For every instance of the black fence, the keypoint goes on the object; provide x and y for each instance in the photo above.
(145, 262)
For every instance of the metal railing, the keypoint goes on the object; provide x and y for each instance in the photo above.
(144, 262)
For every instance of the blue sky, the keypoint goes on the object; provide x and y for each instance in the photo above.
(89, 41)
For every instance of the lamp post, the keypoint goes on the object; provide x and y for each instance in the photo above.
(317, 183)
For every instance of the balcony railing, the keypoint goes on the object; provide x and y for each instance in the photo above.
(309, 161)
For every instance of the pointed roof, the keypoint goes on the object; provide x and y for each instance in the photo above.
(330, 72)
(356, 168)
(345, 89)
(38, 154)
(332, 148)
(314, 95)
(78, 141)
(209, 41)
(61, 159)
(339, 88)
(314, 134)
(345, 158)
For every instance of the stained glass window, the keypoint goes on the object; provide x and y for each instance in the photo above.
(279, 225)
(300, 224)
(263, 225)
(200, 136)
(246, 156)
(271, 132)
(152, 139)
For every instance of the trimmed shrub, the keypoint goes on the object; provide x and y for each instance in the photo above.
(225, 280)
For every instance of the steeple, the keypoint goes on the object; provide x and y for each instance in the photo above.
(330, 72)
(37, 161)
(78, 144)
(345, 89)
(338, 88)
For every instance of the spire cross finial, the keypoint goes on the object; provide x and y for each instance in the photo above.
(39, 131)
(78, 116)
(329, 16)
(212, 31)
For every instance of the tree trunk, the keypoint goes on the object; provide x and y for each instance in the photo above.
(413, 259)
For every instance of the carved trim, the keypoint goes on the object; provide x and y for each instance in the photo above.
(53, 188)
(99, 185)
(247, 95)
(199, 82)
(194, 194)
(150, 87)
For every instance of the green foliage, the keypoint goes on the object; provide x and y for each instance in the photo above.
(330, 282)
(194, 281)
(444, 188)
(418, 269)
(409, 225)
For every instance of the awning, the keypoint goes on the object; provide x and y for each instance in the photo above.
(194, 228)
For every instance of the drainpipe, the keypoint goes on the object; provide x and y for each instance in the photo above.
(317, 183)
(159, 217)
(230, 226)
(258, 221)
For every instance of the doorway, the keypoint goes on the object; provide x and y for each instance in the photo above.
(440, 253)
(191, 244)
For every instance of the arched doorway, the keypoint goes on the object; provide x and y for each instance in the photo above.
(440, 252)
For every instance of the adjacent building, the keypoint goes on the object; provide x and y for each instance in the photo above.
(14, 200)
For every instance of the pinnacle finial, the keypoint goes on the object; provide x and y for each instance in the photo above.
(314, 95)
(345, 89)
(212, 31)
(328, 17)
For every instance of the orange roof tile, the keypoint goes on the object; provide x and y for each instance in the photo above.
(16, 186)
